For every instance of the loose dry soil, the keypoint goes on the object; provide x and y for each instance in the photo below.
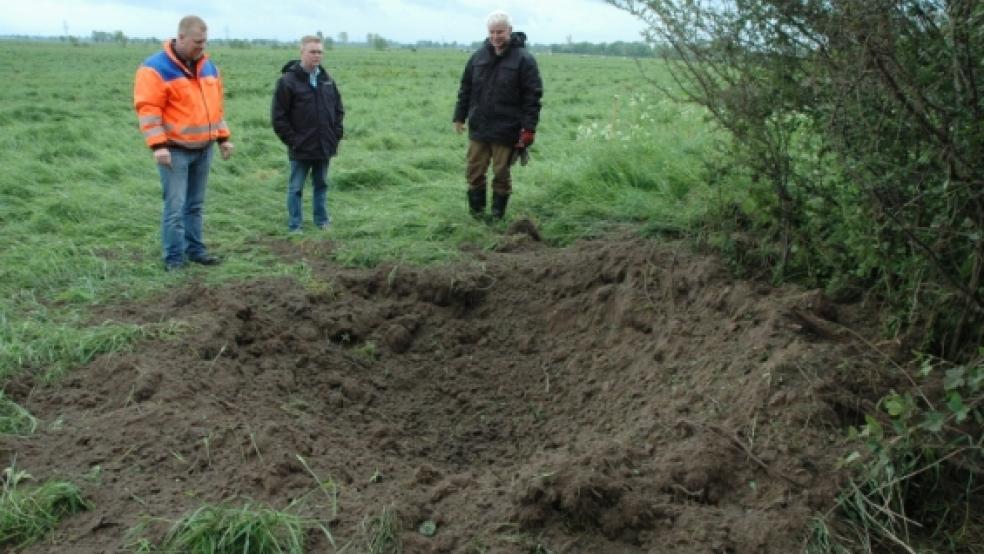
(618, 395)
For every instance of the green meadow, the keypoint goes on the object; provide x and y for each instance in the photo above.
(80, 196)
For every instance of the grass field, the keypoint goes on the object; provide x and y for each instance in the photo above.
(80, 197)
(79, 232)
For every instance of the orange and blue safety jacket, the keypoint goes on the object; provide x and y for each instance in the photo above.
(178, 106)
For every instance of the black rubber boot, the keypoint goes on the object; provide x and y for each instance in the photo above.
(499, 202)
(476, 203)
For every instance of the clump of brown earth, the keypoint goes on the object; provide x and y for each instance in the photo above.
(619, 395)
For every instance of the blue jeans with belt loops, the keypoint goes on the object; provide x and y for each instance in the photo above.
(183, 190)
(299, 170)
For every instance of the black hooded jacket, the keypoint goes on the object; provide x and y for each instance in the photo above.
(308, 120)
(500, 94)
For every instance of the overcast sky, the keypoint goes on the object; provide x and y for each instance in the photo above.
(463, 21)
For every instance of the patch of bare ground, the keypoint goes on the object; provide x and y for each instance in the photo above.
(619, 395)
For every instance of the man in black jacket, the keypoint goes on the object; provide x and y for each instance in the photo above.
(499, 97)
(307, 116)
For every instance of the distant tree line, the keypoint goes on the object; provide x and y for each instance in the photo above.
(374, 41)
(116, 36)
(618, 48)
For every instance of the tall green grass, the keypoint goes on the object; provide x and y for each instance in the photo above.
(80, 197)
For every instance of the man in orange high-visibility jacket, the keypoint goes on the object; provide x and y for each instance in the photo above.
(178, 98)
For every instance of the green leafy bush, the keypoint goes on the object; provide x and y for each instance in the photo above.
(921, 461)
(857, 128)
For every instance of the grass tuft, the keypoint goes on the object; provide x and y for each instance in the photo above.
(15, 420)
(245, 530)
(382, 532)
(823, 540)
(370, 177)
(29, 514)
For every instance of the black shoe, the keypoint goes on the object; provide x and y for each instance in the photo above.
(205, 260)
(172, 266)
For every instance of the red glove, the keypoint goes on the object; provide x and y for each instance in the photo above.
(526, 138)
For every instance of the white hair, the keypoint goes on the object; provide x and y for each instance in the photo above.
(497, 18)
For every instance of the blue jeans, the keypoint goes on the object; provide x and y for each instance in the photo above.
(299, 170)
(183, 189)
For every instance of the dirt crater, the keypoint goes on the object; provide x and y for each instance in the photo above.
(620, 395)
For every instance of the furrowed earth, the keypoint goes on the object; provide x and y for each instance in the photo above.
(618, 395)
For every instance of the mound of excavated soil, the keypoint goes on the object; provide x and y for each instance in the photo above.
(616, 396)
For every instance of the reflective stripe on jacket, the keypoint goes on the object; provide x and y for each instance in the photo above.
(177, 107)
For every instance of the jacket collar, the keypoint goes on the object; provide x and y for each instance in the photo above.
(188, 66)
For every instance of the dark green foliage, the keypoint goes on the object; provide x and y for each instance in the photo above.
(921, 459)
(857, 163)
(857, 126)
